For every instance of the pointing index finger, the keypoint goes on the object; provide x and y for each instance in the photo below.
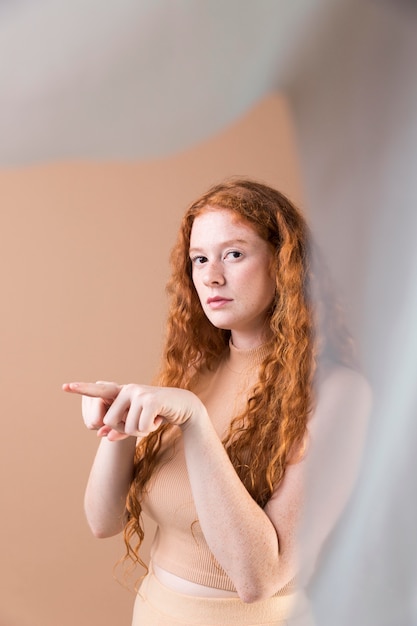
(100, 389)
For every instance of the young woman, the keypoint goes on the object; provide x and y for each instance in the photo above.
(216, 452)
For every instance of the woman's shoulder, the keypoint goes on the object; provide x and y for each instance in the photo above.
(340, 378)
(343, 397)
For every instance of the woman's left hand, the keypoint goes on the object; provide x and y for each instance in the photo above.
(137, 410)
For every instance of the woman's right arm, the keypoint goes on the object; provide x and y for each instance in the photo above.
(108, 485)
(112, 470)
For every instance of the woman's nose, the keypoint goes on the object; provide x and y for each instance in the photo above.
(213, 274)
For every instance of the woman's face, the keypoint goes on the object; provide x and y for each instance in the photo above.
(231, 271)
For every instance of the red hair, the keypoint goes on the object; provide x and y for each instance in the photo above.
(263, 440)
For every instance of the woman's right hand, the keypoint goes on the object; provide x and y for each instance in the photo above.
(94, 407)
(120, 411)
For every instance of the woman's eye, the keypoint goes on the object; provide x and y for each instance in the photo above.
(234, 254)
(198, 260)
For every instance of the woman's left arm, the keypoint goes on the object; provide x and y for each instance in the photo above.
(240, 534)
(260, 548)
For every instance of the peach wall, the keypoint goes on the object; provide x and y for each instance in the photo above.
(84, 261)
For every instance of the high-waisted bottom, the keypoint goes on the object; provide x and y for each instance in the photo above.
(157, 605)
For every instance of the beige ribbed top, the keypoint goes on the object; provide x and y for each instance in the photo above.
(179, 545)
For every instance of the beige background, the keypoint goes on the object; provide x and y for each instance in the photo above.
(84, 261)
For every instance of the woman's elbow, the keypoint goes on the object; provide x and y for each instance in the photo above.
(101, 533)
(257, 592)
(104, 530)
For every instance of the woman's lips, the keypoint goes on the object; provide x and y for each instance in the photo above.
(217, 302)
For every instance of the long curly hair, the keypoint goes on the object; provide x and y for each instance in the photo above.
(271, 432)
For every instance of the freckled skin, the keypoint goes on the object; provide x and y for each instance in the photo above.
(230, 260)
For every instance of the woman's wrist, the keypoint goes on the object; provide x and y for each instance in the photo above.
(197, 420)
